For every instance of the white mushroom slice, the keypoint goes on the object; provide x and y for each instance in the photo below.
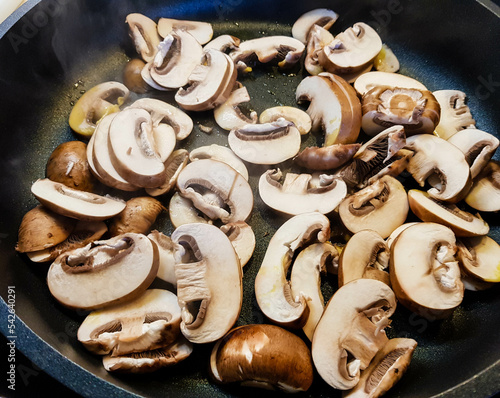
(150, 321)
(73, 203)
(485, 192)
(229, 116)
(144, 34)
(367, 81)
(169, 254)
(392, 237)
(298, 195)
(478, 147)
(182, 211)
(222, 154)
(321, 17)
(351, 331)
(242, 238)
(318, 39)
(209, 282)
(295, 115)
(217, 190)
(173, 166)
(479, 258)
(455, 115)
(441, 164)
(268, 143)
(146, 76)
(305, 280)
(201, 31)
(386, 61)
(334, 107)
(223, 43)
(272, 289)
(104, 273)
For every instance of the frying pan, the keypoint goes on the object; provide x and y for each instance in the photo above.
(53, 49)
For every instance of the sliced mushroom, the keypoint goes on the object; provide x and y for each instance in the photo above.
(382, 207)
(392, 237)
(72, 203)
(326, 158)
(334, 107)
(386, 61)
(366, 255)
(268, 143)
(261, 356)
(424, 272)
(173, 166)
(367, 81)
(209, 282)
(351, 331)
(169, 255)
(223, 43)
(222, 154)
(99, 101)
(318, 39)
(104, 273)
(300, 193)
(139, 215)
(322, 17)
(242, 238)
(479, 258)
(455, 115)
(461, 222)
(144, 34)
(201, 31)
(182, 211)
(228, 115)
(485, 192)
(295, 115)
(272, 289)
(132, 76)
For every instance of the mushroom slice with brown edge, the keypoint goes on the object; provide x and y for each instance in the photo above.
(242, 238)
(318, 39)
(385, 369)
(441, 164)
(99, 101)
(223, 43)
(478, 147)
(321, 17)
(485, 192)
(424, 271)
(209, 282)
(300, 118)
(326, 158)
(367, 81)
(334, 107)
(182, 211)
(228, 115)
(169, 254)
(299, 195)
(72, 203)
(394, 234)
(139, 215)
(217, 190)
(144, 34)
(173, 166)
(382, 207)
(150, 321)
(268, 143)
(305, 280)
(455, 115)
(201, 31)
(479, 258)
(104, 273)
(383, 106)
(264, 356)
(351, 331)
(366, 255)
(386, 60)
(272, 290)
(461, 222)
(222, 154)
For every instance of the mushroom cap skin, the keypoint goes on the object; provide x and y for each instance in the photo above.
(479, 258)
(441, 164)
(242, 238)
(182, 211)
(424, 272)
(462, 223)
(229, 116)
(334, 107)
(455, 115)
(272, 289)
(318, 39)
(150, 321)
(295, 115)
(143, 32)
(298, 195)
(169, 254)
(73, 203)
(217, 190)
(382, 207)
(139, 215)
(209, 282)
(326, 158)
(132, 76)
(222, 154)
(265, 356)
(174, 164)
(485, 192)
(201, 31)
(320, 16)
(104, 273)
(369, 80)
(352, 329)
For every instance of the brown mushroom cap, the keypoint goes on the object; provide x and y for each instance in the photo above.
(139, 215)
(485, 192)
(132, 76)
(326, 158)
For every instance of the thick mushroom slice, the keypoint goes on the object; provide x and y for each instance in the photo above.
(441, 164)
(73, 203)
(104, 273)
(295, 115)
(455, 115)
(169, 255)
(272, 289)
(479, 258)
(382, 207)
(242, 238)
(228, 115)
(144, 34)
(201, 31)
(461, 222)
(139, 215)
(485, 192)
(264, 356)
(318, 39)
(222, 154)
(326, 158)
(366, 255)
(334, 107)
(99, 101)
(322, 17)
(268, 143)
(209, 282)
(351, 331)
(173, 166)
(217, 190)
(392, 237)
(223, 43)
(150, 321)
(182, 211)
(478, 147)
(305, 280)
(300, 193)
(367, 81)
(424, 272)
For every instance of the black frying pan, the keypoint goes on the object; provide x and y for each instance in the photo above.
(61, 47)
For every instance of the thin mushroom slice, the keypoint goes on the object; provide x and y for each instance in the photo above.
(228, 115)
(367, 81)
(479, 258)
(485, 192)
(386, 60)
(139, 215)
(322, 17)
(242, 238)
(318, 39)
(455, 115)
(201, 31)
(144, 34)
(326, 158)
(182, 211)
(174, 164)
(272, 289)
(169, 255)
(222, 154)
(295, 115)
(223, 43)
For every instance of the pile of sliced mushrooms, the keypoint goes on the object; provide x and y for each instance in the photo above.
(105, 254)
